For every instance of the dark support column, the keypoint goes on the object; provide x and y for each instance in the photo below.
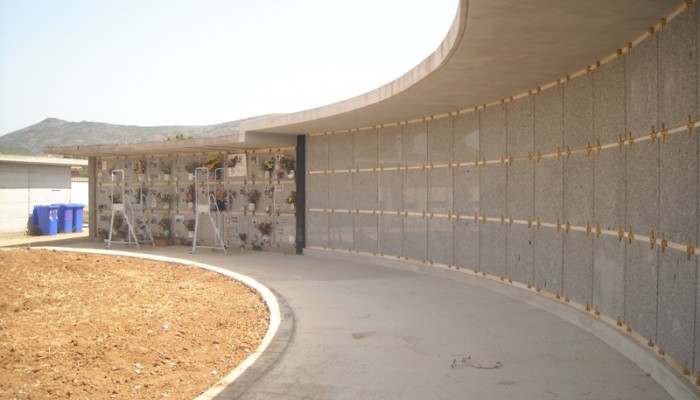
(92, 197)
(300, 201)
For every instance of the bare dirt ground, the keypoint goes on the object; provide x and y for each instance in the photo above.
(106, 327)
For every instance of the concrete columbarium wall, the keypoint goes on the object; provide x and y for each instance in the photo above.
(587, 190)
(229, 186)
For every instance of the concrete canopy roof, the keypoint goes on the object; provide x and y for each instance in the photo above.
(495, 49)
(228, 144)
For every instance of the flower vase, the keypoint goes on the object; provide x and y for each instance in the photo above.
(251, 207)
(266, 174)
(166, 177)
(290, 174)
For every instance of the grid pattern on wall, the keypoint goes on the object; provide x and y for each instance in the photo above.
(587, 191)
(168, 189)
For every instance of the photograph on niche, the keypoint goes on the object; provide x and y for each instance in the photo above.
(236, 165)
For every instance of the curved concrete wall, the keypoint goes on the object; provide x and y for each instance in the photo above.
(576, 190)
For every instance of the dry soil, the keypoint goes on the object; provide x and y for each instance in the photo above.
(87, 326)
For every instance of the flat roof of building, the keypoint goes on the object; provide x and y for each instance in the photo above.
(16, 159)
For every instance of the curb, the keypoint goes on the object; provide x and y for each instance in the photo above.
(273, 345)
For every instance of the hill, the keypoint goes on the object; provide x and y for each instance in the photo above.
(56, 132)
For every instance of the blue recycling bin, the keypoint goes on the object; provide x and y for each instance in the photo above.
(46, 218)
(78, 217)
(65, 217)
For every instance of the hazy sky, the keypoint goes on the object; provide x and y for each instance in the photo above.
(168, 62)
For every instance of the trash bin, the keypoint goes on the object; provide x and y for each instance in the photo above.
(65, 217)
(47, 219)
(78, 217)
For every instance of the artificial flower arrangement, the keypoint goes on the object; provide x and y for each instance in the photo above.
(291, 199)
(166, 167)
(265, 227)
(189, 224)
(268, 165)
(191, 166)
(139, 168)
(253, 196)
(165, 197)
(214, 162)
(164, 225)
(286, 163)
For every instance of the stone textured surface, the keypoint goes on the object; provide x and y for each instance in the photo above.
(440, 191)
(549, 247)
(340, 191)
(365, 146)
(365, 191)
(340, 233)
(440, 137)
(609, 190)
(415, 143)
(549, 197)
(520, 174)
(696, 364)
(415, 238)
(340, 152)
(390, 146)
(520, 254)
(317, 153)
(466, 137)
(440, 245)
(578, 267)
(609, 101)
(493, 133)
(492, 188)
(678, 188)
(391, 235)
(549, 123)
(317, 229)
(390, 196)
(415, 191)
(641, 288)
(678, 73)
(641, 88)
(466, 244)
(366, 233)
(466, 190)
(578, 112)
(677, 297)
(492, 248)
(578, 190)
(609, 276)
(317, 191)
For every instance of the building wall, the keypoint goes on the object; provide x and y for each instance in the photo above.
(573, 190)
(22, 186)
(168, 195)
(80, 192)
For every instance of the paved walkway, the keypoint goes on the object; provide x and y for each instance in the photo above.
(365, 331)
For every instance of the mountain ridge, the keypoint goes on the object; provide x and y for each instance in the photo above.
(56, 132)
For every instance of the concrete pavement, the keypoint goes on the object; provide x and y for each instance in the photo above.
(357, 330)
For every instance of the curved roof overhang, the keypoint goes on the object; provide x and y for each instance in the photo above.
(495, 49)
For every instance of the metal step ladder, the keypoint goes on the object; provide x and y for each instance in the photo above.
(205, 203)
(132, 213)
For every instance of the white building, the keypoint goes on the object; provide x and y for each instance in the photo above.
(28, 181)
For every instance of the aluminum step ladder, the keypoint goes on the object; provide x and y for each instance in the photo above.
(205, 203)
(132, 214)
